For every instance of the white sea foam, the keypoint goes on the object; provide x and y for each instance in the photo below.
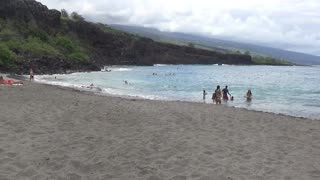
(160, 65)
(57, 83)
(44, 80)
(120, 69)
(123, 93)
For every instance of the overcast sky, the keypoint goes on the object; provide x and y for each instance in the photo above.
(286, 24)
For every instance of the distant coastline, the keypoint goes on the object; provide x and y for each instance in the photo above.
(61, 43)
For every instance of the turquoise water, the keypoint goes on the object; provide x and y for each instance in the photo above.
(287, 90)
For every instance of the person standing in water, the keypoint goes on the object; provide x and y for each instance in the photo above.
(225, 96)
(249, 95)
(204, 94)
(217, 95)
(31, 75)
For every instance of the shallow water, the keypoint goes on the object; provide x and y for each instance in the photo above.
(287, 90)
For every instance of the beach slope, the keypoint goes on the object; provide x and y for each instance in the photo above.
(49, 132)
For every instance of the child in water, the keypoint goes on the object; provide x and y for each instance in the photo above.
(204, 94)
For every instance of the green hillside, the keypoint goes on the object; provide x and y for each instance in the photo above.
(19, 40)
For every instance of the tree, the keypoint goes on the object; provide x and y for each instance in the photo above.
(64, 13)
(76, 17)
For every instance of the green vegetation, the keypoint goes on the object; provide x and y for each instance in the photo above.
(70, 49)
(107, 29)
(64, 14)
(40, 34)
(117, 32)
(262, 60)
(247, 53)
(6, 34)
(76, 17)
(79, 56)
(35, 47)
(32, 42)
(270, 61)
(191, 45)
(7, 57)
(65, 44)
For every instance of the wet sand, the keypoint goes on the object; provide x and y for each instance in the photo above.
(49, 132)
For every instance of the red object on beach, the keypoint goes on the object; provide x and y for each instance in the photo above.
(3, 82)
(9, 82)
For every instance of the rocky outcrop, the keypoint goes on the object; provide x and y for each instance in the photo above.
(48, 18)
(30, 11)
(108, 48)
(46, 65)
(146, 51)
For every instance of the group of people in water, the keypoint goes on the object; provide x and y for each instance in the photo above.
(225, 95)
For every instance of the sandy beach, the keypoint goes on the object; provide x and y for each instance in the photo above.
(49, 132)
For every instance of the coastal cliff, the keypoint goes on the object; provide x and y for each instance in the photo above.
(31, 35)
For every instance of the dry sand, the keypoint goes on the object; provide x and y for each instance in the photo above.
(53, 133)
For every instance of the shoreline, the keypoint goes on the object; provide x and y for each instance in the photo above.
(52, 132)
(100, 93)
(97, 93)
(87, 91)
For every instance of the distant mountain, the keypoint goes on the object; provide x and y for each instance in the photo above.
(219, 45)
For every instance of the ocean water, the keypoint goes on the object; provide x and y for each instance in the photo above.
(292, 91)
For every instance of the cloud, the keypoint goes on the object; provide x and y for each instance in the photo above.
(287, 24)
